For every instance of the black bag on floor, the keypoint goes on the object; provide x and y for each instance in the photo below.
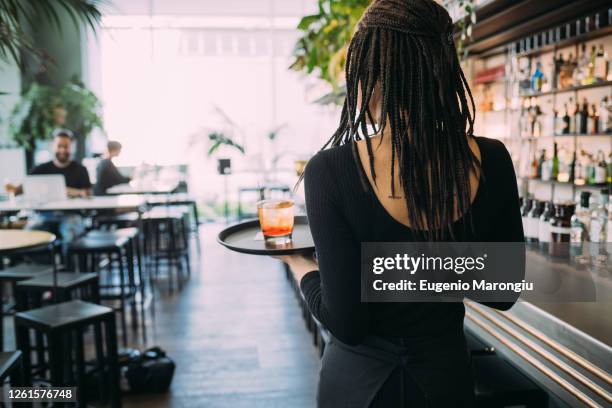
(149, 372)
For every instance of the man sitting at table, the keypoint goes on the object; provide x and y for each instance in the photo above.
(67, 226)
(107, 173)
(75, 174)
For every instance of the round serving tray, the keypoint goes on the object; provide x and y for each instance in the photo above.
(245, 237)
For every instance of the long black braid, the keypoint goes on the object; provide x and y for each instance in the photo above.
(406, 49)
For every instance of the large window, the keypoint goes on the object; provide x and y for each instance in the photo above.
(167, 81)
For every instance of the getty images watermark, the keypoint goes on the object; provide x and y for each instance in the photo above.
(481, 271)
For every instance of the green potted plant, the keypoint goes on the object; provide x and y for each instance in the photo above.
(218, 139)
(321, 49)
(42, 109)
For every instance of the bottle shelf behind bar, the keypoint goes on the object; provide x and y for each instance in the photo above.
(565, 90)
(552, 107)
(567, 183)
(551, 137)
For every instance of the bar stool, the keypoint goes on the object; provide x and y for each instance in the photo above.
(191, 207)
(167, 240)
(11, 366)
(89, 250)
(23, 271)
(70, 286)
(122, 220)
(136, 270)
(62, 324)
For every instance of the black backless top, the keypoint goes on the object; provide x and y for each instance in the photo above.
(343, 211)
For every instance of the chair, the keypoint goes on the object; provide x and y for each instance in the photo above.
(11, 367)
(66, 285)
(167, 240)
(20, 272)
(134, 251)
(116, 248)
(64, 324)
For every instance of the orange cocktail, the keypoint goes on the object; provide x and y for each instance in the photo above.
(276, 219)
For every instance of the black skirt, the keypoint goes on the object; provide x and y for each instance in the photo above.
(388, 372)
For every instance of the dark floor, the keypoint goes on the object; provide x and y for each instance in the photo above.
(236, 334)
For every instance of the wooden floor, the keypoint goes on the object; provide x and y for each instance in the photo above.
(236, 334)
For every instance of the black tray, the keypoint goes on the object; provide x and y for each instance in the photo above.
(240, 238)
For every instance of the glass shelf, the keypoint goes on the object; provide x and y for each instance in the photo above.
(571, 89)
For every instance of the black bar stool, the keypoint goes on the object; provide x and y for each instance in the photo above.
(23, 271)
(167, 240)
(136, 270)
(83, 286)
(11, 366)
(90, 250)
(66, 323)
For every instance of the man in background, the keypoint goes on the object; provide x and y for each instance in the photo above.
(107, 173)
(75, 174)
(66, 226)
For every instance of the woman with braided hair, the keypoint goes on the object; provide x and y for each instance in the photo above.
(403, 165)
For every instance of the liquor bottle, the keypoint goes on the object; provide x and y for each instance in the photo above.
(605, 123)
(544, 226)
(579, 178)
(574, 111)
(564, 166)
(590, 70)
(555, 163)
(580, 224)
(572, 168)
(525, 80)
(533, 171)
(609, 165)
(566, 73)
(541, 162)
(584, 114)
(565, 130)
(601, 169)
(536, 127)
(558, 66)
(589, 168)
(533, 222)
(537, 79)
(601, 64)
(546, 168)
(593, 127)
(526, 207)
(580, 72)
(557, 124)
(599, 218)
(560, 230)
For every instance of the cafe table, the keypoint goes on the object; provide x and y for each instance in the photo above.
(87, 206)
(156, 189)
(14, 241)
(97, 203)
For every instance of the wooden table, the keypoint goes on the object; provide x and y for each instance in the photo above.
(12, 241)
(19, 240)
